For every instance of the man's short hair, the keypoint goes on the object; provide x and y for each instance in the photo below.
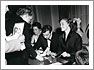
(46, 28)
(36, 24)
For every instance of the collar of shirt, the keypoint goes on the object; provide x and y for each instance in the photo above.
(48, 43)
(50, 37)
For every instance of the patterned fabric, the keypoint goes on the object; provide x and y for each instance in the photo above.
(82, 57)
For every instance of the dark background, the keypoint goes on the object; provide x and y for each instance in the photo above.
(50, 14)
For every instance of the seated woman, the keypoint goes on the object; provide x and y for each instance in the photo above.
(70, 41)
(36, 26)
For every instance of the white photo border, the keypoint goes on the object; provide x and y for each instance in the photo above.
(4, 3)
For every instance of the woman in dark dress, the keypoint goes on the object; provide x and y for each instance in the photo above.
(36, 26)
(70, 41)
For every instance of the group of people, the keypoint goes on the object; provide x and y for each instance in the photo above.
(37, 41)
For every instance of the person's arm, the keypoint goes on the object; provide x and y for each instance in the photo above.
(6, 47)
(13, 45)
(78, 43)
(77, 46)
(29, 48)
(46, 52)
(12, 37)
(38, 56)
(60, 48)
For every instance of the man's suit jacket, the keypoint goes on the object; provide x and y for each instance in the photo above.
(42, 42)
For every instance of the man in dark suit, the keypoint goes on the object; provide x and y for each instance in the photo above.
(25, 15)
(48, 40)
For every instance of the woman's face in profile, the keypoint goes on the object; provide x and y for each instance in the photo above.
(36, 30)
(28, 17)
(64, 25)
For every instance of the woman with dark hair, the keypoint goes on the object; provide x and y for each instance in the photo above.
(70, 41)
(36, 26)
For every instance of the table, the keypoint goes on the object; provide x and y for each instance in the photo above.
(48, 60)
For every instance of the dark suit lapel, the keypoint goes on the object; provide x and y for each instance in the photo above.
(69, 36)
(62, 41)
(44, 43)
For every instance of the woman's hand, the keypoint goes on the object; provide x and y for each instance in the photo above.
(53, 54)
(65, 54)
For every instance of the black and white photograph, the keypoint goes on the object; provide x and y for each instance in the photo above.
(47, 34)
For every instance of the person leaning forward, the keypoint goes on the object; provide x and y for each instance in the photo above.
(24, 15)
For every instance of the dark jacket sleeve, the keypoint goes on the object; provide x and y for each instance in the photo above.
(54, 47)
(77, 47)
(41, 42)
(78, 43)
(29, 48)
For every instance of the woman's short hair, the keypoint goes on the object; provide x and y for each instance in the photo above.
(36, 24)
(72, 24)
(66, 19)
(46, 28)
(22, 11)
